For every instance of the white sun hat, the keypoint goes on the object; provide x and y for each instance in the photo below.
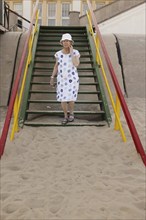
(66, 37)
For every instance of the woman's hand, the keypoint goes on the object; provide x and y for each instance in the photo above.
(54, 74)
(52, 81)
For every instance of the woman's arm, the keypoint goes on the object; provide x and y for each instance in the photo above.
(55, 70)
(75, 59)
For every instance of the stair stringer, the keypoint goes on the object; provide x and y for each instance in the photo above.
(24, 104)
(104, 106)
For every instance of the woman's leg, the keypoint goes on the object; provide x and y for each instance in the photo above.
(64, 106)
(71, 110)
(71, 107)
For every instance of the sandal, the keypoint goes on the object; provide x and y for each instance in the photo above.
(71, 118)
(64, 121)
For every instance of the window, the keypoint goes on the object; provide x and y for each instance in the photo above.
(51, 13)
(65, 13)
(18, 8)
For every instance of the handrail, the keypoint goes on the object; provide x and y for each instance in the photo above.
(14, 12)
(99, 60)
(29, 57)
(6, 15)
(125, 109)
(15, 86)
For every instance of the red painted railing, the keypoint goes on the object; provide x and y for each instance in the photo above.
(16, 85)
(125, 109)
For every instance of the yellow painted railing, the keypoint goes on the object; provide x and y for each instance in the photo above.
(19, 98)
(116, 107)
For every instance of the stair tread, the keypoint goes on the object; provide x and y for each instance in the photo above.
(62, 31)
(45, 39)
(53, 61)
(79, 68)
(49, 55)
(54, 34)
(75, 123)
(58, 45)
(55, 101)
(62, 27)
(54, 50)
(48, 75)
(46, 83)
(61, 112)
(52, 92)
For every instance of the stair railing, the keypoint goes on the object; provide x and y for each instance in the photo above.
(100, 63)
(29, 58)
(120, 96)
(6, 15)
(14, 96)
(19, 16)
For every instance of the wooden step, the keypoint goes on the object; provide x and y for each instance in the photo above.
(49, 55)
(51, 39)
(58, 36)
(49, 75)
(62, 27)
(61, 31)
(53, 62)
(48, 112)
(55, 50)
(55, 101)
(75, 123)
(58, 45)
(48, 69)
(54, 92)
(81, 83)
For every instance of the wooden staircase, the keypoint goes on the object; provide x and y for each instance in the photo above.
(39, 107)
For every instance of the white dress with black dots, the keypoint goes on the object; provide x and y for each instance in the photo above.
(67, 77)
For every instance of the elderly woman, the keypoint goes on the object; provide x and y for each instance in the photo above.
(67, 61)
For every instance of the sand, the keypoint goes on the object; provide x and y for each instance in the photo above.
(74, 173)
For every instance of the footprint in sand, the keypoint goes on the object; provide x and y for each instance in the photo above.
(13, 167)
(91, 179)
(56, 203)
(140, 205)
(25, 176)
(10, 208)
(4, 196)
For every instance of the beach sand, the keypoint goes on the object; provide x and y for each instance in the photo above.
(74, 173)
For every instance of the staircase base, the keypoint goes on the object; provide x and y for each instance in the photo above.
(35, 124)
(56, 121)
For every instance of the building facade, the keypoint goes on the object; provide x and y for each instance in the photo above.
(54, 12)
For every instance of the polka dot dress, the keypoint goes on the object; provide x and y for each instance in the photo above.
(67, 77)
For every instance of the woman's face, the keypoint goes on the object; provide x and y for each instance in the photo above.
(66, 43)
